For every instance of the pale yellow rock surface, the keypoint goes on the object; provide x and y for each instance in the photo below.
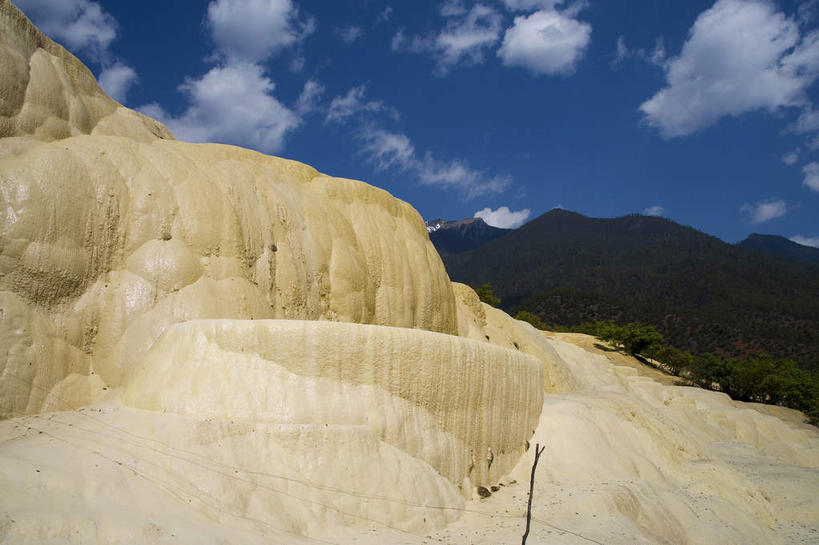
(47, 93)
(464, 407)
(110, 241)
(203, 344)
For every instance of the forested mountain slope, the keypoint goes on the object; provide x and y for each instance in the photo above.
(703, 295)
(782, 247)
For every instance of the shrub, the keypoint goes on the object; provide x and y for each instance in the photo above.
(532, 318)
(485, 295)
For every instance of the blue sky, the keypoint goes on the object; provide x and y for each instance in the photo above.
(704, 112)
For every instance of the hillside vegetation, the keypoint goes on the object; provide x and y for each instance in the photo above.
(702, 295)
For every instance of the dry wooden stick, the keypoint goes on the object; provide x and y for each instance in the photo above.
(538, 452)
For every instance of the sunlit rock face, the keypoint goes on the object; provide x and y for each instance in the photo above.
(108, 241)
(45, 92)
(204, 344)
(466, 408)
(112, 231)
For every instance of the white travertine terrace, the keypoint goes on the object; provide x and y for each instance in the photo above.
(464, 407)
(204, 344)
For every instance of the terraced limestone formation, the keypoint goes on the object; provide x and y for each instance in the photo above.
(204, 344)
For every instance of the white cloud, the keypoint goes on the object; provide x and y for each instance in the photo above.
(117, 80)
(658, 55)
(399, 41)
(740, 56)
(503, 217)
(545, 42)
(654, 211)
(349, 34)
(462, 41)
(387, 149)
(809, 11)
(452, 8)
(531, 5)
(458, 175)
(344, 107)
(765, 210)
(808, 121)
(80, 25)
(623, 53)
(791, 157)
(806, 241)
(384, 16)
(395, 150)
(811, 172)
(231, 104)
(309, 97)
(253, 30)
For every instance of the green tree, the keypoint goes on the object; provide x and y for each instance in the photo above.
(532, 318)
(709, 371)
(636, 337)
(674, 359)
(485, 294)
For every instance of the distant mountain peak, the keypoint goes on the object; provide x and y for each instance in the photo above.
(434, 225)
(440, 223)
(782, 247)
(701, 293)
(450, 237)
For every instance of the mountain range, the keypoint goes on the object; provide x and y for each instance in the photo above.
(703, 295)
(451, 237)
(782, 247)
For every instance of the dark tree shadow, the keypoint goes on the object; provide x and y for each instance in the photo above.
(604, 348)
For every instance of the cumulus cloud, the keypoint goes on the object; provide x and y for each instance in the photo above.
(463, 40)
(740, 56)
(623, 53)
(117, 80)
(765, 210)
(791, 157)
(232, 104)
(654, 211)
(80, 25)
(809, 11)
(384, 16)
(529, 5)
(503, 217)
(807, 122)
(452, 8)
(354, 102)
(457, 174)
(349, 34)
(387, 149)
(806, 241)
(811, 172)
(253, 30)
(309, 97)
(546, 42)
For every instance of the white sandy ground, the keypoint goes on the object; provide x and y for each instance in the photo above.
(627, 460)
